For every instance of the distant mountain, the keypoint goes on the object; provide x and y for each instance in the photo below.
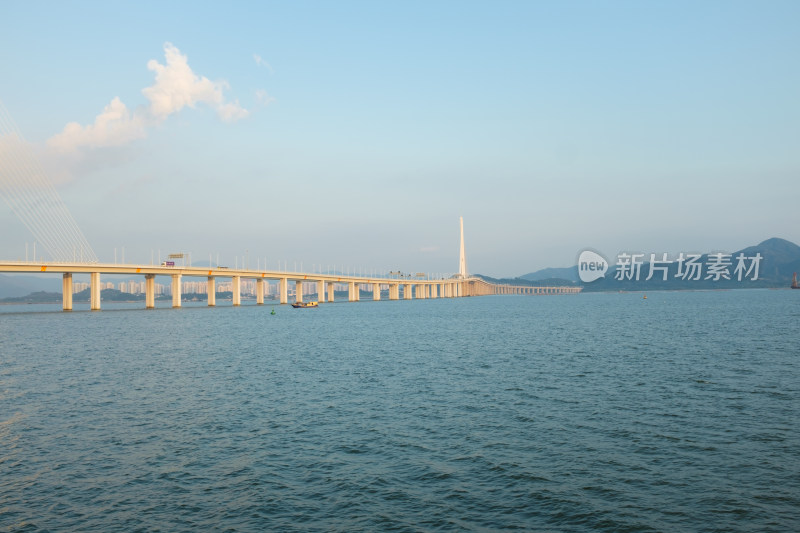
(567, 273)
(521, 282)
(780, 258)
(14, 286)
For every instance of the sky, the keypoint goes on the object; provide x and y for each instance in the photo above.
(356, 134)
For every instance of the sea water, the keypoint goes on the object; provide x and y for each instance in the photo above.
(589, 412)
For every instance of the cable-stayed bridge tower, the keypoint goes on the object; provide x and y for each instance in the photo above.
(25, 187)
(462, 258)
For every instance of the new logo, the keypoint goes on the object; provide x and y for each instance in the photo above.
(591, 266)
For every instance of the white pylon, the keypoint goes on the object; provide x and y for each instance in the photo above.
(462, 259)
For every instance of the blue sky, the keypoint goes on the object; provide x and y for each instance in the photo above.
(356, 133)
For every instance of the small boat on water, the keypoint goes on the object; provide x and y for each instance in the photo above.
(300, 305)
(794, 281)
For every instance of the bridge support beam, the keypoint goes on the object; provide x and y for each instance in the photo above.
(407, 291)
(260, 291)
(212, 291)
(94, 298)
(331, 291)
(149, 291)
(283, 285)
(298, 291)
(376, 291)
(176, 290)
(321, 291)
(236, 287)
(351, 292)
(66, 291)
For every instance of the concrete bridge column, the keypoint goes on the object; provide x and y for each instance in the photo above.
(434, 290)
(236, 287)
(94, 298)
(376, 291)
(260, 291)
(393, 291)
(351, 292)
(176, 290)
(66, 291)
(407, 291)
(331, 291)
(212, 291)
(149, 291)
(283, 284)
(298, 291)
(321, 291)
(358, 292)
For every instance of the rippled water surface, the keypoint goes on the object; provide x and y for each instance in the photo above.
(559, 413)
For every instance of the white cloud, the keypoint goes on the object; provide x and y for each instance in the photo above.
(261, 63)
(115, 126)
(176, 86)
(232, 111)
(263, 98)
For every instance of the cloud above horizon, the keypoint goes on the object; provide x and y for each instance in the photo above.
(261, 63)
(176, 87)
(115, 126)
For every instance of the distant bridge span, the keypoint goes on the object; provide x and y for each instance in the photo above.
(454, 287)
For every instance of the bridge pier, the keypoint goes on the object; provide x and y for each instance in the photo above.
(351, 291)
(66, 291)
(260, 291)
(406, 291)
(149, 291)
(321, 291)
(176, 290)
(331, 291)
(283, 285)
(212, 291)
(94, 298)
(298, 291)
(236, 288)
(376, 291)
